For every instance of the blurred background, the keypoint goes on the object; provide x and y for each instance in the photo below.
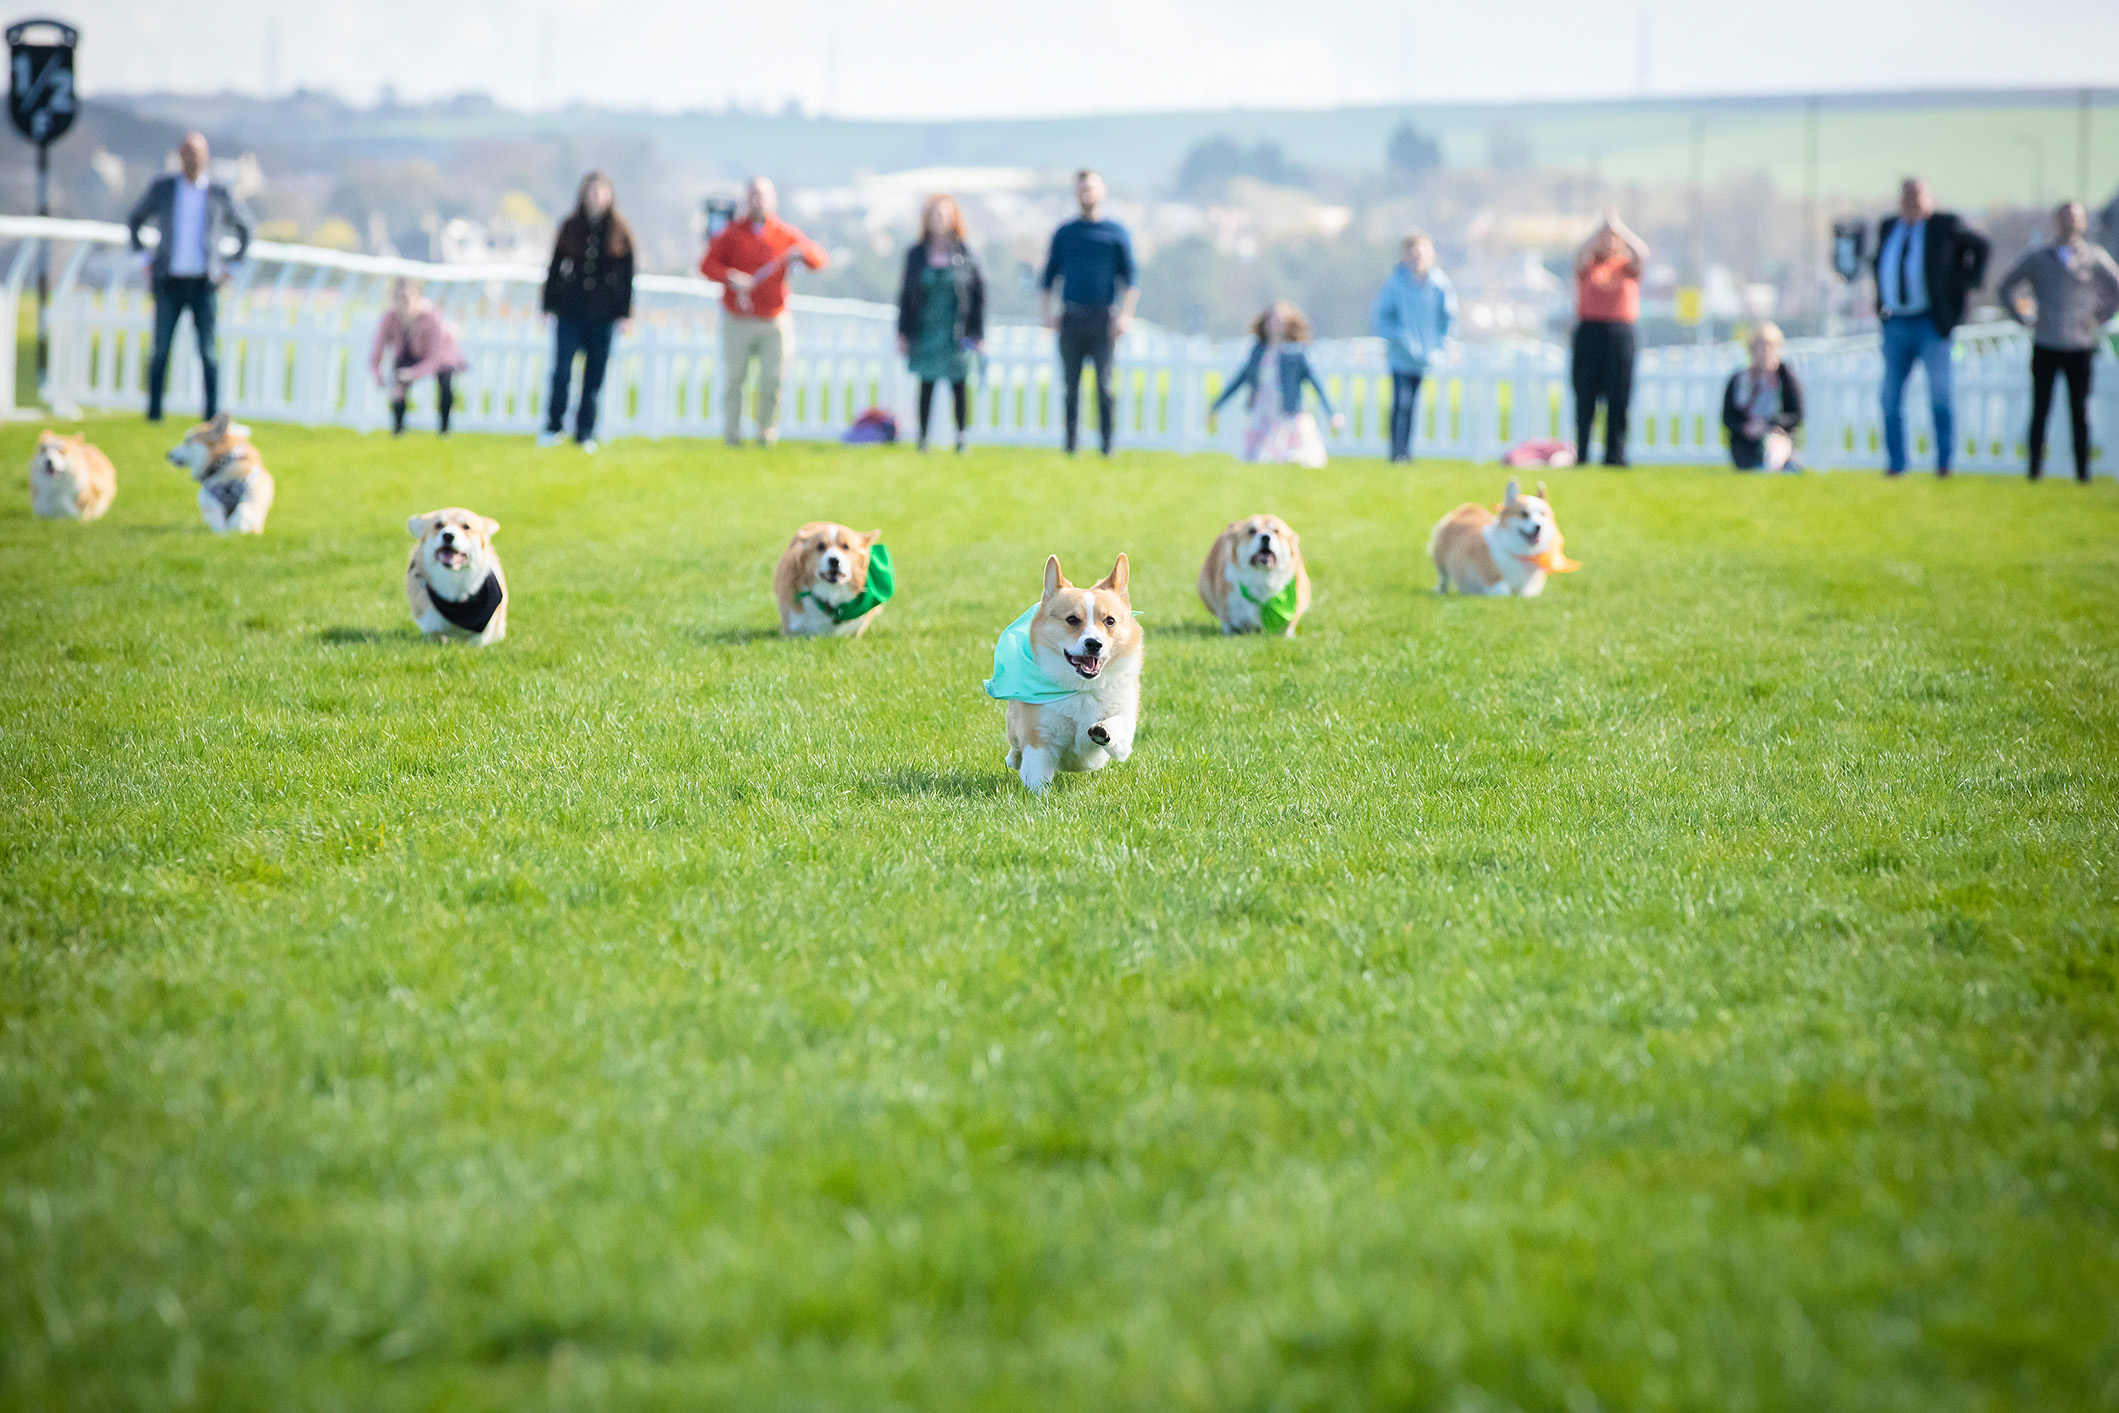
(1255, 150)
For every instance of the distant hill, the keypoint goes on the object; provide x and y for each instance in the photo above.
(1980, 148)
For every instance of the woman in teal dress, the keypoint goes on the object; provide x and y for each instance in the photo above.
(942, 311)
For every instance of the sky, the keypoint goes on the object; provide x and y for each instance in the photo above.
(954, 59)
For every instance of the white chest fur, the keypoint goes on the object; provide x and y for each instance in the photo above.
(1518, 575)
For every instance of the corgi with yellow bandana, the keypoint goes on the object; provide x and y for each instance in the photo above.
(1507, 550)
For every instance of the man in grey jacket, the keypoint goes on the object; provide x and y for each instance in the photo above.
(197, 217)
(2076, 287)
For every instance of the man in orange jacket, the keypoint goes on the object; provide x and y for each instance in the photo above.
(749, 260)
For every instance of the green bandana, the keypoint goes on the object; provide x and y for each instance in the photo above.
(881, 585)
(1016, 675)
(1276, 612)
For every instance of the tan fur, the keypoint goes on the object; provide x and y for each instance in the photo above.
(1227, 572)
(1095, 726)
(473, 533)
(69, 479)
(1462, 559)
(799, 570)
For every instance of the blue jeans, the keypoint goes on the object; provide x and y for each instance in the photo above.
(1405, 398)
(173, 295)
(1911, 338)
(572, 336)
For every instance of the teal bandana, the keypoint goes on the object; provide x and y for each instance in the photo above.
(1016, 675)
(881, 585)
(1276, 612)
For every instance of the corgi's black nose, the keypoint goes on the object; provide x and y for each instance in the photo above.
(1092, 646)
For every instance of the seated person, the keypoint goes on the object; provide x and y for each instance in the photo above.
(1762, 407)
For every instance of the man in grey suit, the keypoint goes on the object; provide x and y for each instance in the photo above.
(196, 216)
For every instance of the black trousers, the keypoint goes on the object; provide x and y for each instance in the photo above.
(2046, 365)
(1085, 333)
(959, 402)
(1405, 397)
(1603, 368)
(444, 400)
(592, 339)
(173, 296)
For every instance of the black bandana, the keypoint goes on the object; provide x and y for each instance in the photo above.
(471, 614)
(234, 490)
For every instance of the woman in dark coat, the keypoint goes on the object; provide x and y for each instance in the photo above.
(942, 311)
(1762, 407)
(588, 292)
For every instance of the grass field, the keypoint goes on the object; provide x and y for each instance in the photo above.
(1695, 989)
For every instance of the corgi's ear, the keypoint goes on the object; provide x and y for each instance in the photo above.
(419, 525)
(1115, 581)
(1515, 492)
(488, 526)
(47, 438)
(1541, 491)
(217, 428)
(869, 537)
(1054, 580)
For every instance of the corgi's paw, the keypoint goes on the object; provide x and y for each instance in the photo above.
(1100, 734)
(1039, 765)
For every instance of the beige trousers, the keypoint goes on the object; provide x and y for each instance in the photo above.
(771, 342)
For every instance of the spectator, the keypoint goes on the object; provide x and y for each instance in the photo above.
(942, 311)
(1607, 306)
(1413, 314)
(588, 292)
(1762, 407)
(421, 345)
(2076, 286)
(1927, 262)
(1091, 260)
(749, 259)
(1280, 430)
(197, 217)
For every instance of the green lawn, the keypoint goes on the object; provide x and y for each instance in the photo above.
(1695, 989)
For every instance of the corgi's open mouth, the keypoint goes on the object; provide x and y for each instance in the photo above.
(831, 574)
(1265, 558)
(1084, 665)
(450, 557)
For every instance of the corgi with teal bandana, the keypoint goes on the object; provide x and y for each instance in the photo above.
(1069, 670)
(1253, 580)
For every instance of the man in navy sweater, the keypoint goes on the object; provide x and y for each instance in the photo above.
(1092, 262)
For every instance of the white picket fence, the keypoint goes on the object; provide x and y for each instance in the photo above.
(296, 324)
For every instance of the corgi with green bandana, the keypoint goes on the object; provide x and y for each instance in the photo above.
(833, 582)
(1254, 580)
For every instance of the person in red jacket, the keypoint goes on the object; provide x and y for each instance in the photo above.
(749, 260)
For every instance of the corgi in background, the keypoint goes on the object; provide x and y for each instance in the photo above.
(1253, 580)
(454, 580)
(1507, 550)
(70, 479)
(235, 489)
(1069, 670)
(832, 581)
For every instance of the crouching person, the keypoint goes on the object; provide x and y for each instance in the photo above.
(419, 344)
(1762, 407)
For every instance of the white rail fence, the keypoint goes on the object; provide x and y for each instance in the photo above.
(296, 324)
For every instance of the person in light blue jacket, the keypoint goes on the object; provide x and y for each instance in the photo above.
(1414, 312)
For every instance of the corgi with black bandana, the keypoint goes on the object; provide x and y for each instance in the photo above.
(235, 489)
(454, 581)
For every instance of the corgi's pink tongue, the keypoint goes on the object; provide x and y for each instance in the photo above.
(1086, 666)
(451, 558)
